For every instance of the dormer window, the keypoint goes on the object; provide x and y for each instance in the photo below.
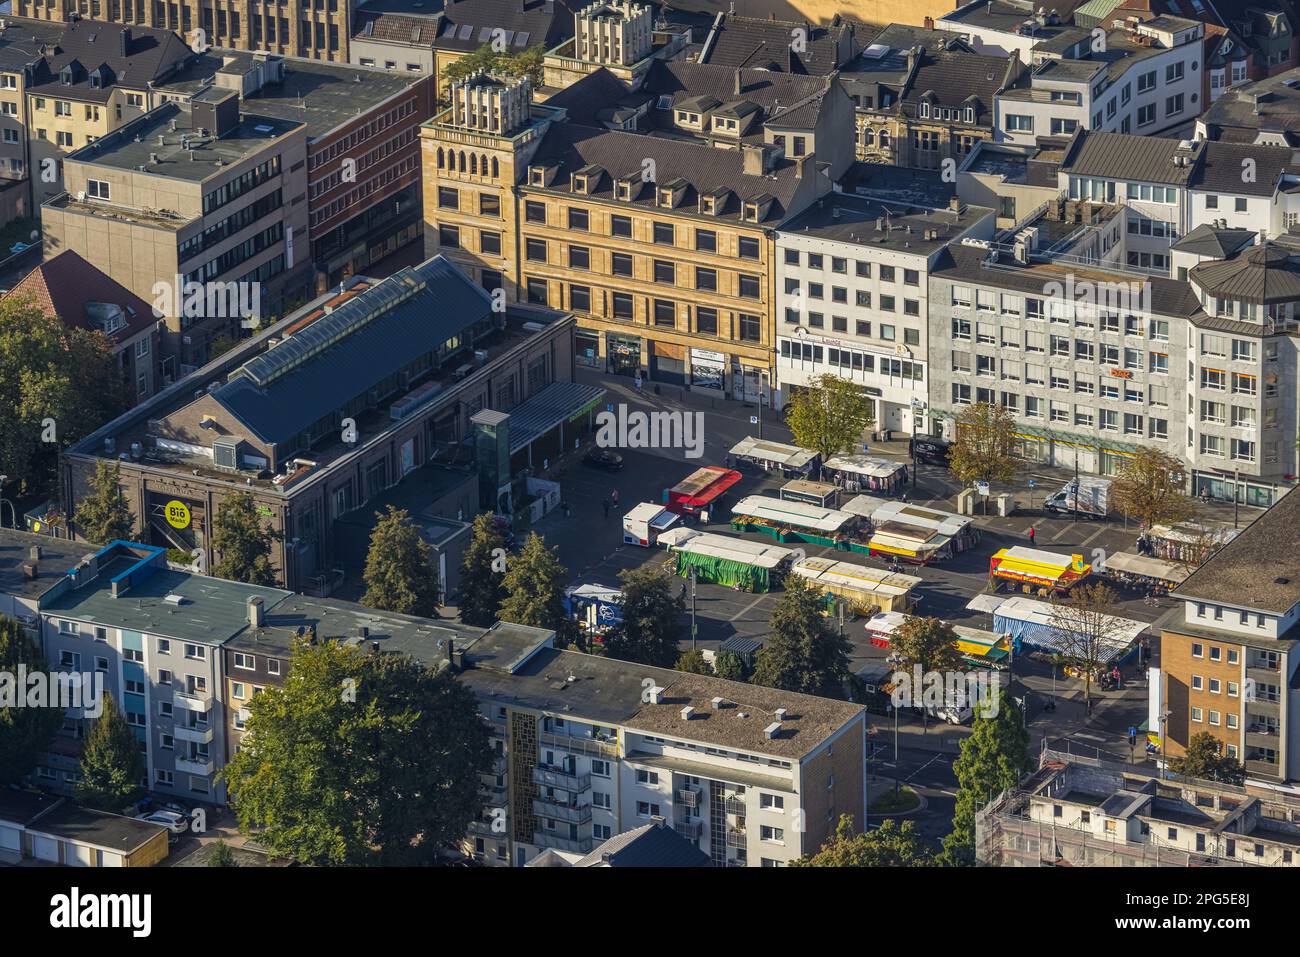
(925, 111)
(664, 103)
(579, 184)
(970, 114)
(66, 76)
(666, 197)
(623, 190)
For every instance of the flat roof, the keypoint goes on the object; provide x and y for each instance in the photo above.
(58, 556)
(137, 144)
(112, 832)
(1246, 572)
(321, 96)
(899, 227)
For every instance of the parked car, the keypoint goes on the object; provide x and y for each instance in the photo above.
(176, 823)
(603, 459)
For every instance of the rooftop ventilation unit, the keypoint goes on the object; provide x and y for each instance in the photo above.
(772, 730)
(656, 695)
(687, 713)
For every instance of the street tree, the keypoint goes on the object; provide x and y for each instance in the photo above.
(398, 574)
(1205, 760)
(804, 652)
(890, 845)
(982, 449)
(653, 619)
(104, 515)
(26, 728)
(58, 383)
(1149, 488)
(243, 542)
(927, 642)
(693, 662)
(534, 585)
(482, 572)
(111, 766)
(1085, 629)
(359, 759)
(829, 416)
(993, 758)
(729, 665)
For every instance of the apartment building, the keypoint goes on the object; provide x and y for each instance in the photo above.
(395, 36)
(1005, 27)
(1138, 78)
(197, 191)
(73, 291)
(590, 747)
(923, 98)
(1082, 812)
(23, 44)
(466, 25)
(679, 202)
(30, 566)
(853, 296)
(1094, 362)
(363, 153)
(784, 46)
(318, 416)
(1228, 651)
(318, 29)
(155, 635)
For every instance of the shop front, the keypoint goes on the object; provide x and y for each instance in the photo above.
(668, 363)
(1220, 487)
(708, 370)
(623, 354)
(586, 347)
(748, 382)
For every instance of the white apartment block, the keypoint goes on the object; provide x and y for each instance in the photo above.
(852, 298)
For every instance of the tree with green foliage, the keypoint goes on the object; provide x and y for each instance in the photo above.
(652, 619)
(804, 652)
(222, 856)
(360, 759)
(243, 542)
(527, 63)
(482, 573)
(104, 515)
(111, 765)
(25, 731)
(534, 585)
(1205, 760)
(993, 758)
(928, 642)
(58, 383)
(729, 665)
(890, 845)
(829, 416)
(692, 662)
(1149, 488)
(983, 448)
(398, 575)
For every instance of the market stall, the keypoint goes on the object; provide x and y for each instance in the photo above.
(917, 546)
(773, 456)
(725, 560)
(811, 493)
(596, 608)
(1139, 571)
(865, 473)
(701, 491)
(864, 589)
(1038, 626)
(1033, 569)
(961, 529)
(1188, 542)
(793, 521)
(645, 523)
(983, 649)
(880, 627)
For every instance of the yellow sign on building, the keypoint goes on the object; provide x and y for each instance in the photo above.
(178, 514)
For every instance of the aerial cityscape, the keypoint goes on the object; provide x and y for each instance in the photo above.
(603, 433)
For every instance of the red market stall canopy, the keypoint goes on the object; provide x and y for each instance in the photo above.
(701, 488)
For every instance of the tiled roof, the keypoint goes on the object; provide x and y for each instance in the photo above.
(396, 28)
(650, 845)
(1222, 168)
(1146, 159)
(62, 287)
(955, 76)
(466, 25)
(749, 42)
(90, 45)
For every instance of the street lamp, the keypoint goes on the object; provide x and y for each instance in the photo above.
(895, 659)
(762, 400)
(691, 574)
(1164, 741)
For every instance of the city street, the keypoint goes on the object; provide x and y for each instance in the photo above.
(590, 545)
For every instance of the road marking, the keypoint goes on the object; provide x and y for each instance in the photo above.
(747, 608)
(1092, 536)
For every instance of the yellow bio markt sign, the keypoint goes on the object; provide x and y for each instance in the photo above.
(178, 514)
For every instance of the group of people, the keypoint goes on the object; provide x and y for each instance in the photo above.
(612, 500)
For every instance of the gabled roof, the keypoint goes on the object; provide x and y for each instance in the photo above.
(395, 28)
(650, 845)
(1222, 168)
(1205, 240)
(62, 287)
(788, 100)
(751, 42)
(466, 25)
(151, 55)
(286, 389)
(952, 77)
(1123, 156)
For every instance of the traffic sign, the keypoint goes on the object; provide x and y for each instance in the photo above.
(982, 488)
(753, 420)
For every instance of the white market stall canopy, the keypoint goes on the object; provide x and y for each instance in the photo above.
(830, 573)
(945, 523)
(1191, 533)
(786, 456)
(1145, 567)
(864, 465)
(795, 514)
(725, 546)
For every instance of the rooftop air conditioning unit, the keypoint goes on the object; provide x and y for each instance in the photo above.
(226, 452)
(656, 695)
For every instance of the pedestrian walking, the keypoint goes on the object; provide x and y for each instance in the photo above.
(605, 505)
(614, 497)
(1031, 534)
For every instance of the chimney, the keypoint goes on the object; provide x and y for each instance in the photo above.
(803, 166)
(754, 160)
(687, 713)
(34, 553)
(124, 42)
(30, 571)
(717, 704)
(256, 612)
(929, 23)
(656, 695)
(374, 647)
(772, 731)
(779, 714)
(740, 84)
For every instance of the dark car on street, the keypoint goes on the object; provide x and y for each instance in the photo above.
(603, 459)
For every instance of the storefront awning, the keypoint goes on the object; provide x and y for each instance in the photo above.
(558, 402)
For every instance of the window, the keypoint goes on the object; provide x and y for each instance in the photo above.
(749, 286)
(1019, 123)
(535, 212)
(620, 226)
(578, 219)
(535, 250)
(647, 809)
(579, 257)
(621, 264)
(665, 272)
(663, 234)
(706, 241)
(748, 247)
(97, 189)
(771, 835)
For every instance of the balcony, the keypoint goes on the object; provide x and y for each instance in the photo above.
(1263, 737)
(592, 747)
(690, 830)
(581, 845)
(737, 837)
(199, 701)
(735, 805)
(196, 735)
(1263, 769)
(199, 766)
(1263, 708)
(561, 778)
(568, 813)
(480, 826)
(1263, 675)
(688, 797)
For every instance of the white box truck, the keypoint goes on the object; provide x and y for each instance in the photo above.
(1087, 496)
(645, 523)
